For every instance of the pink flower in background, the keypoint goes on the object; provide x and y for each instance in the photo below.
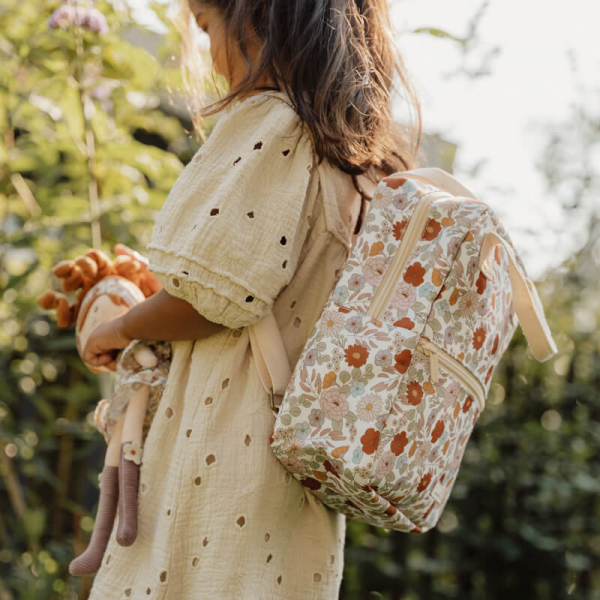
(76, 14)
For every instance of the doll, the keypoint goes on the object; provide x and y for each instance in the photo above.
(107, 289)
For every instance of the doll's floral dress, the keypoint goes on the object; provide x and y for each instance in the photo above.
(129, 377)
(252, 224)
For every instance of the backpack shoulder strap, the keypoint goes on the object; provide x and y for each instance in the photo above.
(528, 306)
(271, 358)
(441, 179)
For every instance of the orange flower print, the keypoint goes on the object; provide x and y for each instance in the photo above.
(424, 482)
(398, 443)
(356, 355)
(414, 274)
(437, 431)
(453, 297)
(399, 228)
(481, 283)
(436, 278)
(329, 379)
(405, 323)
(414, 393)
(432, 229)
(402, 361)
(369, 440)
(376, 248)
(478, 338)
(495, 346)
(489, 373)
(394, 182)
(467, 404)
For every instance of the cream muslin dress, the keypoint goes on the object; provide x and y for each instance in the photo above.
(252, 224)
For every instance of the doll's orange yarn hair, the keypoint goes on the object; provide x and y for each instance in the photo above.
(82, 274)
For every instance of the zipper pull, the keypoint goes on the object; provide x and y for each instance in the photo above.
(430, 349)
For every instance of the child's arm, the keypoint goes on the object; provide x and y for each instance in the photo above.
(159, 317)
(165, 317)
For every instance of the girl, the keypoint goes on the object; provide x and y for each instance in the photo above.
(262, 219)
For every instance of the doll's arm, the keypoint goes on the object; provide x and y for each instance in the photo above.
(145, 357)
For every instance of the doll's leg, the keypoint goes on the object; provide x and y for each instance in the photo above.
(89, 561)
(129, 466)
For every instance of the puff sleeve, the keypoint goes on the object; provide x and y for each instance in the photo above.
(229, 236)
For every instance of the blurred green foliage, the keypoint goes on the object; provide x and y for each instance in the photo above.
(88, 155)
(88, 151)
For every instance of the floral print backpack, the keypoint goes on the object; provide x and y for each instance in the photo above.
(376, 414)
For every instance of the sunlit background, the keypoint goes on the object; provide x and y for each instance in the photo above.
(529, 67)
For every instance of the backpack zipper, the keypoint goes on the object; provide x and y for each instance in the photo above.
(412, 235)
(437, 357)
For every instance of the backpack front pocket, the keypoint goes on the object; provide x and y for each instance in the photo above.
(438, 405)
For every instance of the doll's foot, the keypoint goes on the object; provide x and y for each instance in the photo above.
(89, 562)
(129, 470)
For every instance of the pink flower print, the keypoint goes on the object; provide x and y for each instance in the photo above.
(451, 394)
(385, 464)
(405, 295)
(454, 245)
(422, 453)
(473, 265)
(334, 404)
(331, 323)
(374, 269)
(482, 307)
(292, 464)
(369, 408)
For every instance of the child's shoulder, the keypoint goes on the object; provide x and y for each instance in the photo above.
(270, 114)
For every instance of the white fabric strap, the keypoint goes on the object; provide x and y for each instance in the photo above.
(270, 357)
(441, 179)
(528, 306)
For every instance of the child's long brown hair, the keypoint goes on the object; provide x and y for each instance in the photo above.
(336, 60)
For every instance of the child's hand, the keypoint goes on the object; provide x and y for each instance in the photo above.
(153, 283)
(104, 343)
